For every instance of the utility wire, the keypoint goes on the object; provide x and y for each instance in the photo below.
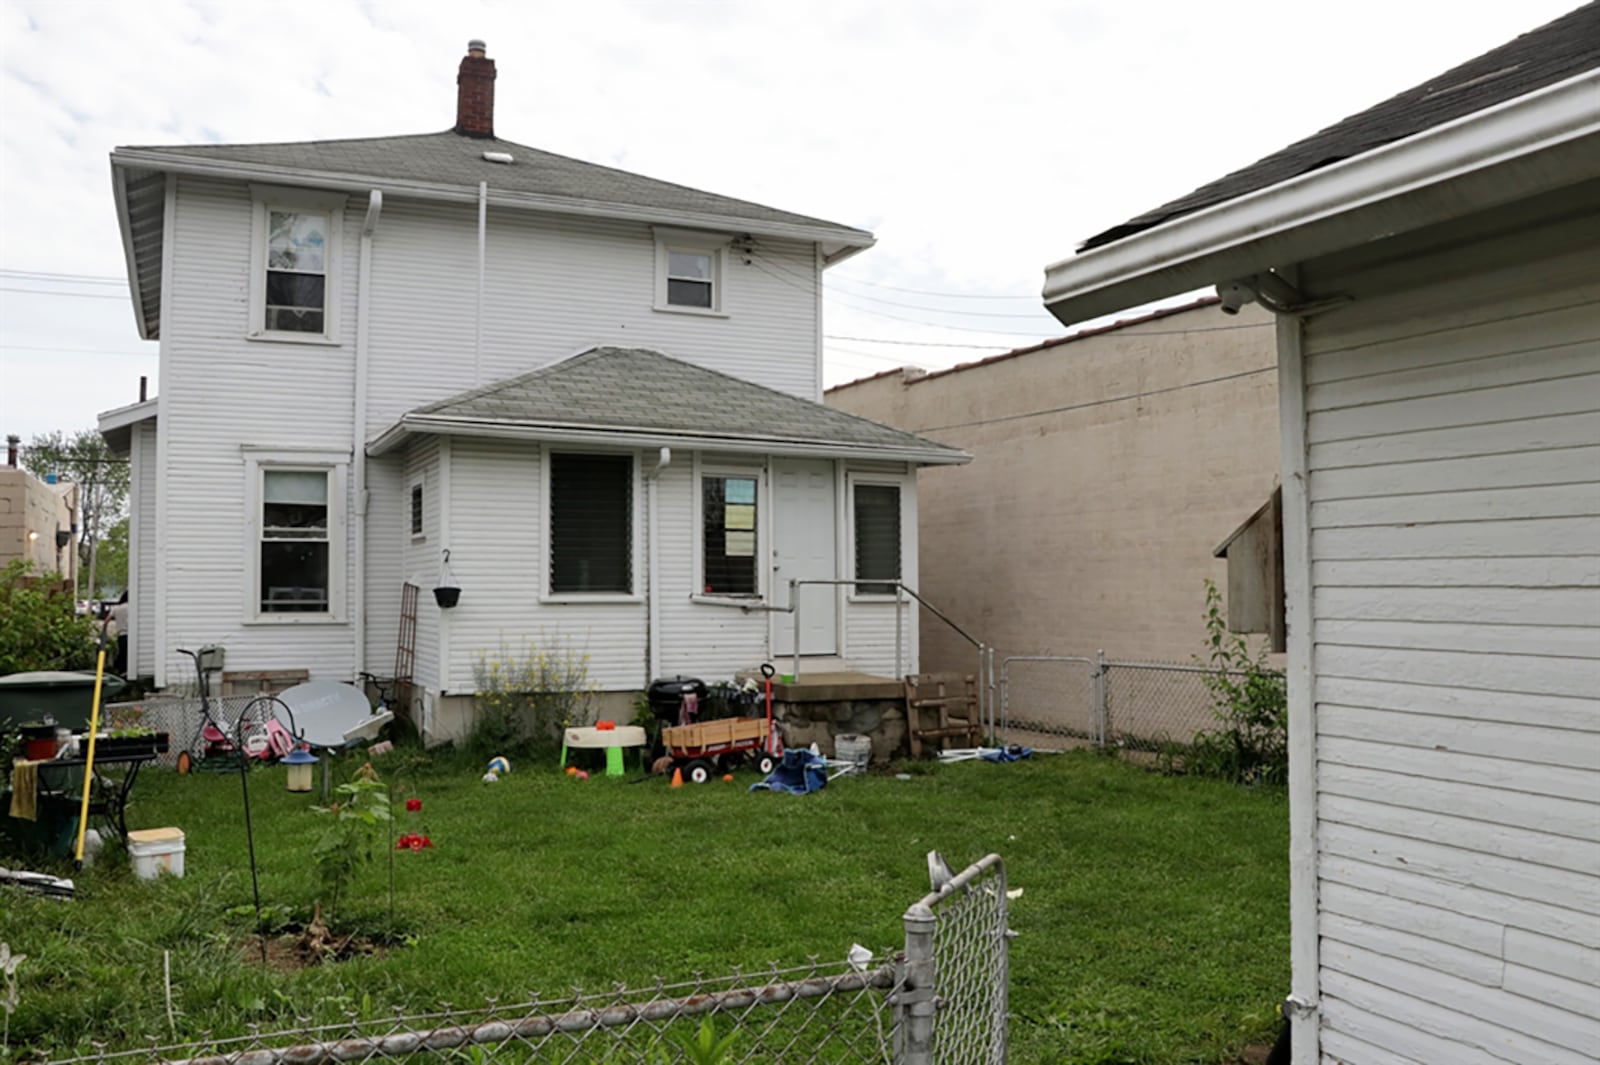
(78, 351)
(906, 306)
(78, 295)
(1095, 402)
(45, 275)
(928, 292)
(915, 343)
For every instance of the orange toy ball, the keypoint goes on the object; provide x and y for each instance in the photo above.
(571, 769)
(727, 778)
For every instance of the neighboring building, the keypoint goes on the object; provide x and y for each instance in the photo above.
(38, 520)
(1106, 467)
(1435, 266)
(596, 393)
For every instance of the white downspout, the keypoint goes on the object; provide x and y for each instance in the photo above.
(652, 557)
(483, 235)
(1303, 1005)
(358, 434)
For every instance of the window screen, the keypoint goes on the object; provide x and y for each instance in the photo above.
(294, 541)
(591, 523)
(689, 279)
(297, 269)
(729, 535)
(877, 520)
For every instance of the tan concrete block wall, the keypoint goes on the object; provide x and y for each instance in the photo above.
(1090, 527)
(27, 505)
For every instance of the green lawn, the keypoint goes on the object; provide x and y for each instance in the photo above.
(1153, 924)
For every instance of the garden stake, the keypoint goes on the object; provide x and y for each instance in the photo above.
(249, 832)
(94, 730)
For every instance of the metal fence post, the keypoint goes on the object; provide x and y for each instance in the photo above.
(991, 697)
(914, 1004)
(1102, 700)
(899, 629)
(794, 602)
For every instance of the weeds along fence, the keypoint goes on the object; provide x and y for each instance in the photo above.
(941, 1000)
(1094, 702)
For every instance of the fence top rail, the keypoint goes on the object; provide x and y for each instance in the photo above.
(1045, 658)
(964, 879)
(1173, 667)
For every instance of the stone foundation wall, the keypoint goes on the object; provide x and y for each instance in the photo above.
(883, 721)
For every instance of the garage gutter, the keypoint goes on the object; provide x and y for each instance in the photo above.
(1544, 140)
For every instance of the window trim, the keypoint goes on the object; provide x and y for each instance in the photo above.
(723, 467)
(417, 523)
(691, 242)
(266, 198)
(635, 519)
(885, 480)
(336, 464)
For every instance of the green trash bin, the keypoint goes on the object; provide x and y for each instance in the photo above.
(68, 698)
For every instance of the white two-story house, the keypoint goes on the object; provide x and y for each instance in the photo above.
(595, 393)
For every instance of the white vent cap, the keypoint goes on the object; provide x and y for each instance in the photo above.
(499, 157)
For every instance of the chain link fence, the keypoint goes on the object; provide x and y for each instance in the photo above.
(940, 1001)
(1136, 706)
(179, 717)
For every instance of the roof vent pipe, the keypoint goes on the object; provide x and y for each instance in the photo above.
(13, 442)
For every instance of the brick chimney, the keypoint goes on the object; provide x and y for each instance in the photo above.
(475, 93)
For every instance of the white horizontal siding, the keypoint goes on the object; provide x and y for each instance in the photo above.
(1454, 448)
(388, 531)
(556, 286)
(142, 551)
(221, 391)
(421, 554)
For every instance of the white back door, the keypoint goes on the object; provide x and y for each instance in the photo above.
(804, 532)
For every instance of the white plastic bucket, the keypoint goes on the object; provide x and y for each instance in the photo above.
(853, 747)
(154, 851)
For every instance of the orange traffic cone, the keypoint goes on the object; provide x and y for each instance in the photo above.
(677, 778)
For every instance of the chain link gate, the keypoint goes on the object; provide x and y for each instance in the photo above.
(1047, 695)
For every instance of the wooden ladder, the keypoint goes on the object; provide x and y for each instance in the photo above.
(953, 697)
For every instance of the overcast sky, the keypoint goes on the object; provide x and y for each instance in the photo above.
(978, 140)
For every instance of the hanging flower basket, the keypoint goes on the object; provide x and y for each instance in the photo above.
(448, 593)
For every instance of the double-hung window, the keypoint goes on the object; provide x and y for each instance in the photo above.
(876, 509)
(728, 534)
(296, 542)
(294, 292)
(689, 271)
(591, 524)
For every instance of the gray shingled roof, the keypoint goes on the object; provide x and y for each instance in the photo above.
(451, 159)
(1561, 49)
(645, 392)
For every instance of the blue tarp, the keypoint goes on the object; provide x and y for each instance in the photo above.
(800, 773)
(1012, 753)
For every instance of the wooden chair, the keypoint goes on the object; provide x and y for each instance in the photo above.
(953, 700)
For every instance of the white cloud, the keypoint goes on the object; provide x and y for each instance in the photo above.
(980, 141)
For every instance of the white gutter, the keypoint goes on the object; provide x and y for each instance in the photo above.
(173, 162)
(483, 235)
(1543, 140)
(358, 432)
(639, 438)
(652, 556)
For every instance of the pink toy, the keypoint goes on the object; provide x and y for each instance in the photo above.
(580, 775)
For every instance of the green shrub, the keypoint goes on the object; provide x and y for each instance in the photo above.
(527, 695)
(1252, 708)
(39, 623)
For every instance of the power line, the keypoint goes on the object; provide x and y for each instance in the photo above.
(897, 317)
(906, 306)
(928, 292)
(45, 275)
(1095, 402)
(78, 351)
(915, 343)
(78, 295)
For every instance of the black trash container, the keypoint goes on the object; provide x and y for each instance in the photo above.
(666, 700)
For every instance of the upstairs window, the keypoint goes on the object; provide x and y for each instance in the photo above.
(295, 266)
(591, 524)
(728, 534)
(689, 271)
(295, 542)
(877, 537)
(297, 272)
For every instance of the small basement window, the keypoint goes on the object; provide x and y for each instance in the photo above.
(876, 510)
(591, 523)
(728, 534)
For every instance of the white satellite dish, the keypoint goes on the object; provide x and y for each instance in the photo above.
(330, 714)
